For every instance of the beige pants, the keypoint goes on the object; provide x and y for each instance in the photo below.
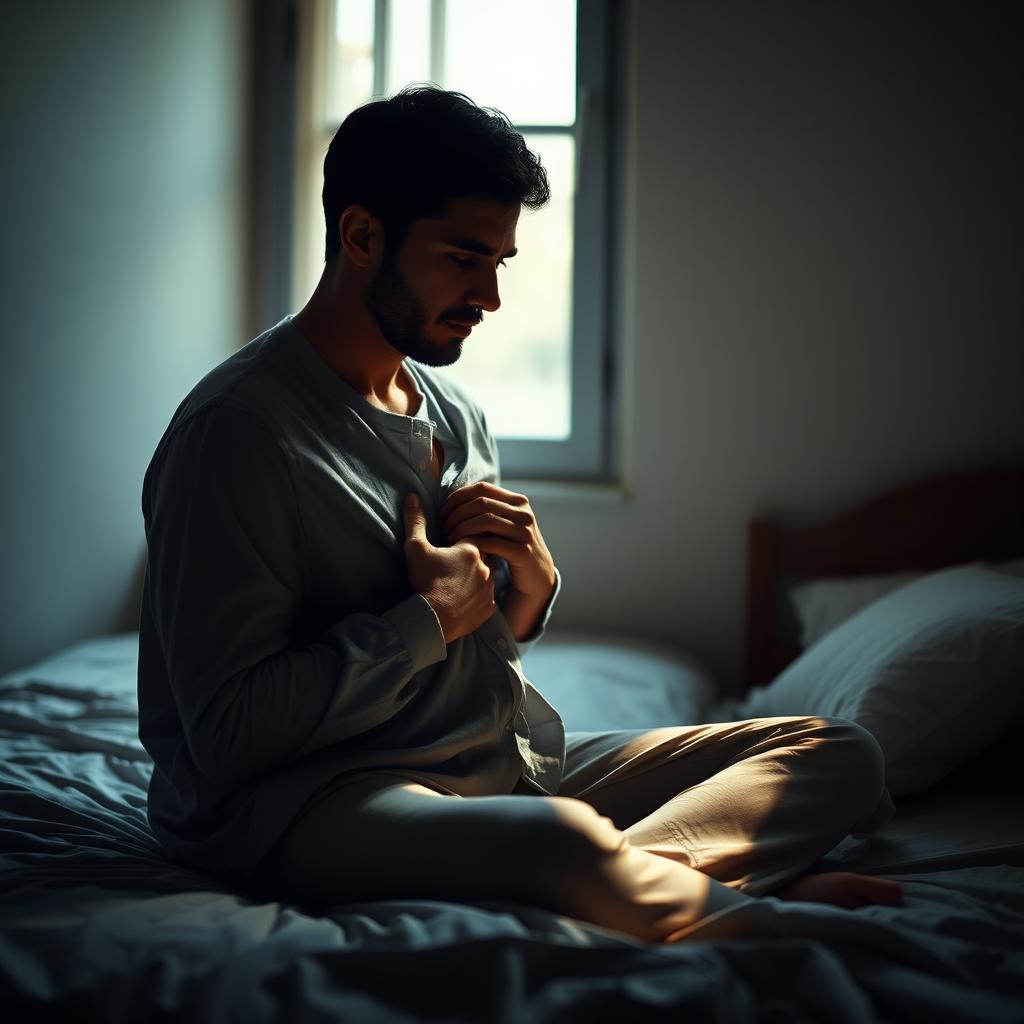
(651, 830)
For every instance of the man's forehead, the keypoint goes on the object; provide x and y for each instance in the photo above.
(473, 216)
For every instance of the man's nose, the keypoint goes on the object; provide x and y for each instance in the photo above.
(485, 292)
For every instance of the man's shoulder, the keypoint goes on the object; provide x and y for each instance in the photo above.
(232, 380)
(228, 396)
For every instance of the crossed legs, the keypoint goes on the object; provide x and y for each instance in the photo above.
(650, 832)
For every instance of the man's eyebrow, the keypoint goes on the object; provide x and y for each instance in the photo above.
(472, 245)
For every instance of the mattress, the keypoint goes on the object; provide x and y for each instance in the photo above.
(95, 924)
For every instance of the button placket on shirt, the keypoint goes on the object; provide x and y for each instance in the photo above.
(421, 440)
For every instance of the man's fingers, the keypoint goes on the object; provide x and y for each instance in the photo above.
(480, 507)
(491, 525)
(490, 546)
(471, 491)
(415, 518)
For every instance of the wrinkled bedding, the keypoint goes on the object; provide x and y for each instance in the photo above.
(95, 924)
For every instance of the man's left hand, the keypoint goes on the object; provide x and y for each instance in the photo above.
(501, 522)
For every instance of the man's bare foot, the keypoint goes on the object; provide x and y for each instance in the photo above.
(843, 889)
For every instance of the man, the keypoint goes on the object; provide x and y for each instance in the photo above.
(330, 682)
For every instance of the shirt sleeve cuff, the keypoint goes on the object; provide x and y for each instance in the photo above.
(526, 644)
(417, 624)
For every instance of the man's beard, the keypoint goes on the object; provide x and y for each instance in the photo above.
(403, 322)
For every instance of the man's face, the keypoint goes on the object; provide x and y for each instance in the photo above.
(446, 269)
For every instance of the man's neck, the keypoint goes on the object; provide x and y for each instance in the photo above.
(357, 357)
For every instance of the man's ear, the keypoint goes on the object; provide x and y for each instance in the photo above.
(362, 235)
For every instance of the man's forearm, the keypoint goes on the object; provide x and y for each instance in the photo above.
(523, 611)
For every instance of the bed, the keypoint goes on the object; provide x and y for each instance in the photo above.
(95, 924)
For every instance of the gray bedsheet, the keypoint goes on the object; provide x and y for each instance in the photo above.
(96, 925)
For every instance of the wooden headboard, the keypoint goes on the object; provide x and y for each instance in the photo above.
(930, 525)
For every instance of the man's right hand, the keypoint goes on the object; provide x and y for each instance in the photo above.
(456, 581)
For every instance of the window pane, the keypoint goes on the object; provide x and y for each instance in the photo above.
(408, 44)
(350, 59)
(516, 364)
(313, 266)
(519, 57)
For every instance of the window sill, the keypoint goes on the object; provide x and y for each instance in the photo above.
(571, 491)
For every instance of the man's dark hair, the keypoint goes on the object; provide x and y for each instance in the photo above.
(404, 157)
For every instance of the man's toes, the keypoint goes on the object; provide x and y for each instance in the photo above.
(886, 892)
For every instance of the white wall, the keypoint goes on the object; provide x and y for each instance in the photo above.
(122, 261)
(821, 267)
(824, 220)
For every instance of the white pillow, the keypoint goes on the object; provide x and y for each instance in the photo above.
(822, 604)
(934, 670)
(598, 682)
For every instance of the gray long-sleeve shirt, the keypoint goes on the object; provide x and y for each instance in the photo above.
(281, 648)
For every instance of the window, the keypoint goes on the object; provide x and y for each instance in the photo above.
(541, 366)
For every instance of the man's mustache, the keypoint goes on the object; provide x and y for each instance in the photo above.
(473, 317)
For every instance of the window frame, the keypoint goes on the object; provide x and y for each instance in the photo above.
(589, 454)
